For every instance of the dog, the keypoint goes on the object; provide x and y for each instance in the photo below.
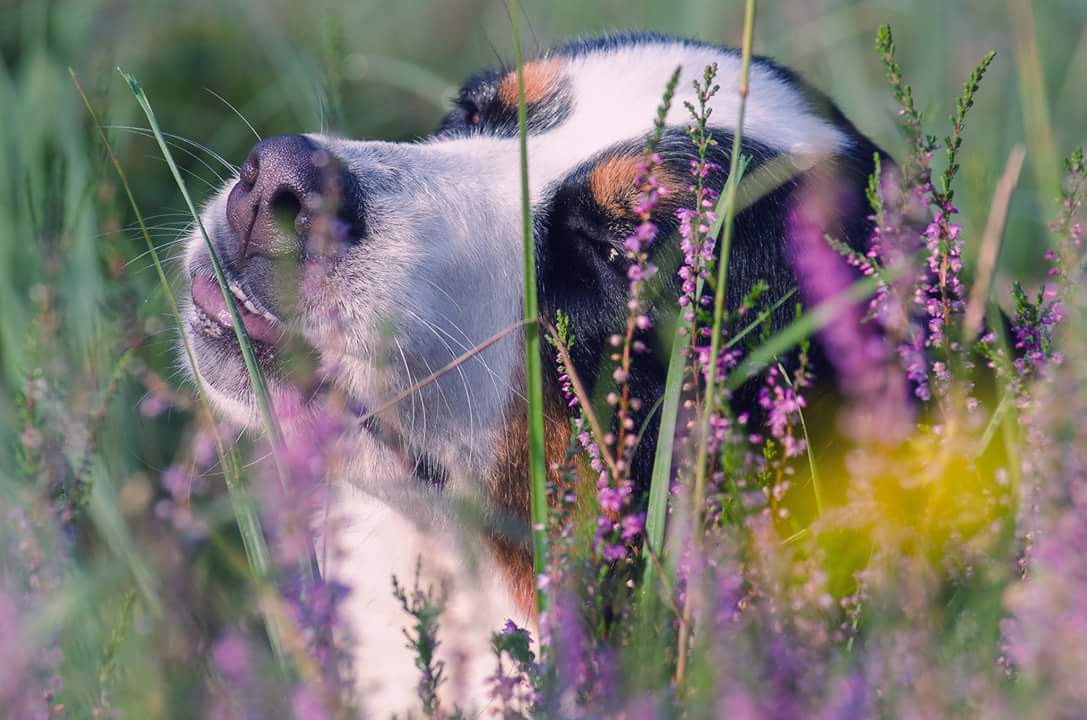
(387, 261)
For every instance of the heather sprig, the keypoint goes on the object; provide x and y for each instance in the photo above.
(911, 119)
(953, 142)
(517, 675)
(938, 296)
(1034, 321)
(1042, 630)
(942, 293)
(32, 560)
(425, 608)
(782, 401)
(617, 527)
(1068, 228)
(694, 223)
(584, 432)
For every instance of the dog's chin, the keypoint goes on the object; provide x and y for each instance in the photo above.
(223, 374)
(367, 457)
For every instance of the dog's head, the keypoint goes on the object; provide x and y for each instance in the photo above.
(388, 261)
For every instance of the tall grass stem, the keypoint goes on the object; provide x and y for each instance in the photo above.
(256, 378)
(533, 366)
(720, 292)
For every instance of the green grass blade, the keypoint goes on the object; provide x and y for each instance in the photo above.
(657, 512)
(256, 378)
(533, 369)
(736, 169)
(246, 517)
(760, 319)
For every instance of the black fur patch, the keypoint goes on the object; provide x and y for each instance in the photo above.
(582, 271)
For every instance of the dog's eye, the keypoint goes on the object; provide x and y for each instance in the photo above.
(467, 112)
(472, 114)
(465, 115)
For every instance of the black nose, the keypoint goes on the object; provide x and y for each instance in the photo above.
(293, 197)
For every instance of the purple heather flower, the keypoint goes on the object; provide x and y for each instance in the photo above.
(783, 406)
(615, 527)
(307, 705)
(695, 242)
(231, 656)
(879, 409)
(632, 526)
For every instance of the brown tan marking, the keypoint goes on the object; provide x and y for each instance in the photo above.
(541, 82)
(613, 184)
(510, 492)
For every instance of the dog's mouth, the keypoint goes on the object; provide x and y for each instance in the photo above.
(274, 345)
(213, 315)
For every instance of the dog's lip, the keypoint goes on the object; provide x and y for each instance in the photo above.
(260, 325)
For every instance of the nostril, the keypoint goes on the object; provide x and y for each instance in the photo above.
(293, 197)
(285, 208)
(250, 170)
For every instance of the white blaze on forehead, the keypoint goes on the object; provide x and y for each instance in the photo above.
(615, 94)
(625, 86)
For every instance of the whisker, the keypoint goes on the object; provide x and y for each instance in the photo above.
(185, 170)
(463, 379)
(449, 367)
(146, 132)
(411, 379)
(236, 112)
(467, 345)
(161, 247)
(136, 233)
(441, 392)
(443, 291)
(188, 152)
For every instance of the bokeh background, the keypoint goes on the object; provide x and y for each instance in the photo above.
(86, 345)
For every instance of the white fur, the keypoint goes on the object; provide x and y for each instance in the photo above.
(373, 543)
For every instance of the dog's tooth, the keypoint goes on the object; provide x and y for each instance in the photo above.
(248, 304)
(238, 292)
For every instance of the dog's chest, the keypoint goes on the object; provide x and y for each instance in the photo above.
(363, 543)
